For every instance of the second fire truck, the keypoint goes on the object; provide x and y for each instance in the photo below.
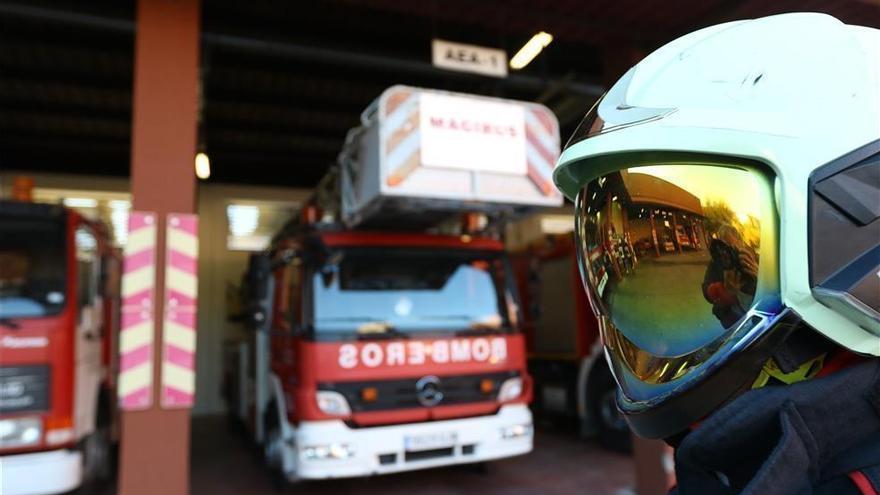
(58, 317)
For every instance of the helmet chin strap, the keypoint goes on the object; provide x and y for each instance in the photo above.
(771, 374)
(801, 357)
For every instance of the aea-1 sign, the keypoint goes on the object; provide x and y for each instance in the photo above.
(469, 58)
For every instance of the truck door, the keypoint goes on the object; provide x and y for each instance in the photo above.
(286, 320)
(89, 325)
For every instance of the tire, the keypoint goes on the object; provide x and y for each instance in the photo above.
(614, 433)
(272, 445)
(98, 463)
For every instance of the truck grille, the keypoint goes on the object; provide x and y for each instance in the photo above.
(24, 388)
(422, 455)
(404, 394)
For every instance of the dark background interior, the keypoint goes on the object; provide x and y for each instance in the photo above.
(283, 81)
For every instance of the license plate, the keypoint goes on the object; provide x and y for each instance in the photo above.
(429, 441)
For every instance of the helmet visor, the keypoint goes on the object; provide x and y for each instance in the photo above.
(678, 261)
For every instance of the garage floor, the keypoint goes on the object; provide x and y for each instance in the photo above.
(560, 464)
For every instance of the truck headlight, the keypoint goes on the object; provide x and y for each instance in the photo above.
(510, 389)
(516, 431)
(330, 402)
(329, 451)
(20, 432)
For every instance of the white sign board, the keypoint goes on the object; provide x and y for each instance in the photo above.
(469, 58)
(472, 134)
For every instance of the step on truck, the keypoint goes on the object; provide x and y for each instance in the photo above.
(58, 316)
(386, 325)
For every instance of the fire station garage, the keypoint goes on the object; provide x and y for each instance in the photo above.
(264, 246)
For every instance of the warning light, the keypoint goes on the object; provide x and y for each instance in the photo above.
(487, 386)
(22, 188)
(203, 166)
(310, 214)
(369, 394)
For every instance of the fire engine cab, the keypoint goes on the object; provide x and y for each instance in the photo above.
(58, 306)
(387, 328)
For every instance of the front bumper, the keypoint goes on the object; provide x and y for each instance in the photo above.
(39, 473)
(382, 449)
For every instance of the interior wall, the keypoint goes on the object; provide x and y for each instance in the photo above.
(218, 266)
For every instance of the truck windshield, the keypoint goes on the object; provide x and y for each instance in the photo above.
(398, 292)
(32, 266)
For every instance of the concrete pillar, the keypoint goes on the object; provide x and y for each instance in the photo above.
(610, 246)
(154, 454)
(654, 233)
(654, 466)
(675, 238)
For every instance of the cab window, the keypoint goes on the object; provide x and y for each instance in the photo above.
(88, 267)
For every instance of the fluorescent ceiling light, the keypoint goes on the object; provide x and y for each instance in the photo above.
(119, 222)
(203, 166)
(243, 219)
(530, 50)
(80, 202)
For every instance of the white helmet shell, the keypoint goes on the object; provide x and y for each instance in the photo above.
(793, 91)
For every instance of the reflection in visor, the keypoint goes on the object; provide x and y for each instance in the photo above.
(672, 254)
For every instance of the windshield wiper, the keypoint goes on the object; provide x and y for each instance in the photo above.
(481, 330)
(377, 330)
(8, 323)
(475, 328)
(389, 335)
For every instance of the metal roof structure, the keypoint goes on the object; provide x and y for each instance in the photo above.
(283, 81)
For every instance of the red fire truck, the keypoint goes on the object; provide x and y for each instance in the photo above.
(58, 306)
(571, 376)
(388, 334)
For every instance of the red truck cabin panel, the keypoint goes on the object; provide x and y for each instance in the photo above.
(329, 353)
(364, 239)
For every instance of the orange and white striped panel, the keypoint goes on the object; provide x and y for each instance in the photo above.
(542, 148)
(400, 135)
(138, 302)
(179, 325)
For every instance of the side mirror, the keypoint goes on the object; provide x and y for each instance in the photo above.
(328, 275)
(257, 275)
(330, 268)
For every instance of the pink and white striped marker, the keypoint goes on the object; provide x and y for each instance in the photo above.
(137, 326)
(181, 296)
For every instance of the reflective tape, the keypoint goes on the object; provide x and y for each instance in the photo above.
(179, 321)
(138, 303)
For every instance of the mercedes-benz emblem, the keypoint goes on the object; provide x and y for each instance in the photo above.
(428, 391)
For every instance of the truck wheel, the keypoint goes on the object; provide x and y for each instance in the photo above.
(614, 433)
(273, 443)
(97, 450)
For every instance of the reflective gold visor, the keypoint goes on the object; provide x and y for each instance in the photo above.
(678, 260)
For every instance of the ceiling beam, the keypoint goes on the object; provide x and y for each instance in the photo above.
(295, 51)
